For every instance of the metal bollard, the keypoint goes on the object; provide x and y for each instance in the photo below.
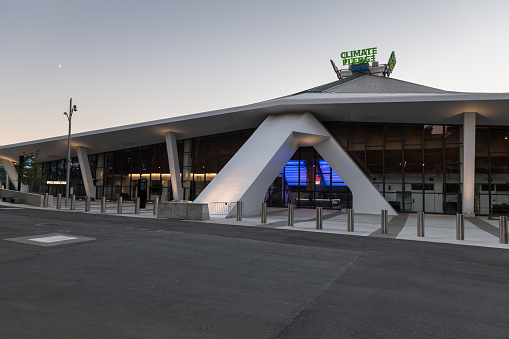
(103, 205)
(384, 221)
(239, 210)
(119, 207)
(420, 224)
(319, 218)
(349, 219)
(87, 204)
(502, 223)
(137, 205)
(73, 202)
(59, 201)
(460, 227)
(264, 213)
(46, 198)
(290, 215)
(156, 206)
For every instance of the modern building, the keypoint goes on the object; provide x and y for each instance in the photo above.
(365, 141)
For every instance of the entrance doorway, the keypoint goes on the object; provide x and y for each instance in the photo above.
(307, 181)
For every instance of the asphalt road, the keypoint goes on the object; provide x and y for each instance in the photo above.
(145, 278)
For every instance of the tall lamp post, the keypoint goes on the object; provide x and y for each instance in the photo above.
(68, 174)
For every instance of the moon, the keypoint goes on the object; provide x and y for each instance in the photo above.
(59, 66)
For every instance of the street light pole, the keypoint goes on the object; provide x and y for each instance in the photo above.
(68, 174)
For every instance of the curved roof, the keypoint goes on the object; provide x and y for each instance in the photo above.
(366, 83)
(359, 98)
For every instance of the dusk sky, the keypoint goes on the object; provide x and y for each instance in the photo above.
(124, 62)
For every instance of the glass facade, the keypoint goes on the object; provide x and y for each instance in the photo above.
(415, 167)
(117, 173)
(492, 171)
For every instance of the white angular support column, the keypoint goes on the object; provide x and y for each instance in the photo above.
(86, 173)
(248, 175)
(12, 174)
(173, 161)
(468, 175)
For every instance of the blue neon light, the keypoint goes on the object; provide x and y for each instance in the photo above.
(295, 169)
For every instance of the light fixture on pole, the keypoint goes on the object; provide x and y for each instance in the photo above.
(68, 161)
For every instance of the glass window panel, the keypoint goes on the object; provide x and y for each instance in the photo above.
(481, 135)
(136, 160)
(375, 155)
(237, 142)
(433, 162)
(374, 135)
(413, 135)
(157, 154)
(211, 159)
(499, 163)
(375, 169)
(146, 159)
(433, 202)
(452, 153)
(499, 140)
(224, 150)
(393, 137)
(340, 132)
(357, 138)
(199, 159)
(126, 162)
(180, 152)
(393, 160)
(452, 134)
(413, 155)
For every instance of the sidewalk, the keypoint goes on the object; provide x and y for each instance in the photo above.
(479, 231)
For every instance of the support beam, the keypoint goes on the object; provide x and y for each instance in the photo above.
(468, 175)
(173, 161)
(12, 174)
(86, 173)
(248, 175)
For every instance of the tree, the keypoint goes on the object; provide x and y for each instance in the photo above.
(30, 171)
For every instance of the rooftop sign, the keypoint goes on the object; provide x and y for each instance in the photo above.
(359, 56)
(392, 63)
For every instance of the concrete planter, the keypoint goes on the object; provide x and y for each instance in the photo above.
(26, 198)
(183, 210)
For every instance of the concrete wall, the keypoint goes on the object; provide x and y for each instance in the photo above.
(26, 198)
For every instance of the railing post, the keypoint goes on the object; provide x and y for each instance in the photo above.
(264, 213)
(156, 206)
(502, 223)
(103, 205)
(420, 224)
(460, 227)
(59, 201)
(319, 218)
(119, 207)
(239, 210)
(73, 202)
(87, 204)
(349, 220)
(46, 198)
(290, 215)
(384, 222)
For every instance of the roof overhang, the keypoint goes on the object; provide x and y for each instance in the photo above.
(369, 108)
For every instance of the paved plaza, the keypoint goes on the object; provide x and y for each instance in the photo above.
(479, 230)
